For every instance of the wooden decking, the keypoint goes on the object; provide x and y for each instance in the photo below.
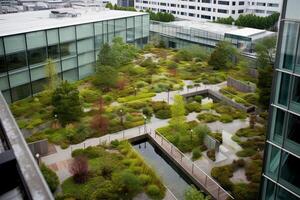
(204, 181)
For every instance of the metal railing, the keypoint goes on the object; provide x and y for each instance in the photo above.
(202, 177)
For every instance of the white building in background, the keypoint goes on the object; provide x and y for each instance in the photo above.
(210, 9)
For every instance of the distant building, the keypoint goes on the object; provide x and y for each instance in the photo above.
(70, 37)
(126, 3)
(19, 171)
(281, 171)
(179, 34)
(210, 10)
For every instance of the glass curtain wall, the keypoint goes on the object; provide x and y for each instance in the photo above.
(73, 50)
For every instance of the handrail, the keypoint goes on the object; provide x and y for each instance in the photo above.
(173, 146)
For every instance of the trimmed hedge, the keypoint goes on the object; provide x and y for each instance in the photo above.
(50, 177)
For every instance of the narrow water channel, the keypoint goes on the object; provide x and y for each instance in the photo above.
(170, 174)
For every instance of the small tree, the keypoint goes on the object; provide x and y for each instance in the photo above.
(51, 75)
(66, 103)
(79, 169)
(201, 131)
(224, 56)
(266, 50)
(178, 118)
(106, 77)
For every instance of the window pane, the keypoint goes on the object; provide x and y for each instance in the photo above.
(146, 25)
(288, 49)
(53, 51)
(71, 75)
(86, 70)
(85, 30)
(98, 28)
(16, 60)
(273, 159)
(284, 89)
(86, 58)
(269, 190)
(98, 41)
(38, 73)
(19, 78)
(282, 194)
(69, 64)
(38, 55)
(295, 103)
(38, 86)
(2, 64)
(85, 45)
(52, 36)
(67, 34)
(277, 129)
(14, 44)
(36, 39)
(68, 49)
(20, 92)
(3, 82)
(138, 27)
(110, 26)
(290, 173)
(292, 141)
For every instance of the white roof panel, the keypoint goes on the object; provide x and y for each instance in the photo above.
(39, 20)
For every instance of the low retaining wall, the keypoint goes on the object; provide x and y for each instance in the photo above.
(219, 97)
(240, 86)
(40, 147)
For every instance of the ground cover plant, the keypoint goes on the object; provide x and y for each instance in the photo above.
(115, 172)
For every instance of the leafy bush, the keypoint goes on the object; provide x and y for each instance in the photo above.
(196, 153)
(201, 131)
(153, 192)
(246, 152)
(147, 111)
(134, 98)
(249, 132)
(211, 154)
(222, 175)
(145, 179)
(238, 163)
(245, 191)
(225, 118)
(163, 114)
(50, 177)
(198, 98)
(217, 136)
(89, 152)
(90, 96)
(193, 107)
(207, 117)
(115, 143)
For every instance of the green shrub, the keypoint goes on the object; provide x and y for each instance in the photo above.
(207, 117)
(217, 136)
(222, 175)
(115, 143)
(196, 153)
(153, 192)
(90, 96)
(34, 123)
(193, 107)
(225, 118)
(211, 154)
(89, 152)
(198, 98)
(136, 104)
(249, 132)
(246, 152)
(245, 191)
(147, 111)
(240, 163)
(163, 114)
(107, 99)
(50, 177)
(134, 98)
(236, 139)
(145, 179)
(201, 131)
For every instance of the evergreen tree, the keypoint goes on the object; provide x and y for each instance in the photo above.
(224, 56)
(66, 103)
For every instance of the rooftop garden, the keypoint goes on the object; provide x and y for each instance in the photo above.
(122, 93)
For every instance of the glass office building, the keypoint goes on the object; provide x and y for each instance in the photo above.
(72, 40)
(281, 173)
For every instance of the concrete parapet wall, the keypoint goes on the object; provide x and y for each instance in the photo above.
(240, 86)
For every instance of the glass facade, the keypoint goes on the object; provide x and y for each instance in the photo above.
(282, 156)
(74, 50)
